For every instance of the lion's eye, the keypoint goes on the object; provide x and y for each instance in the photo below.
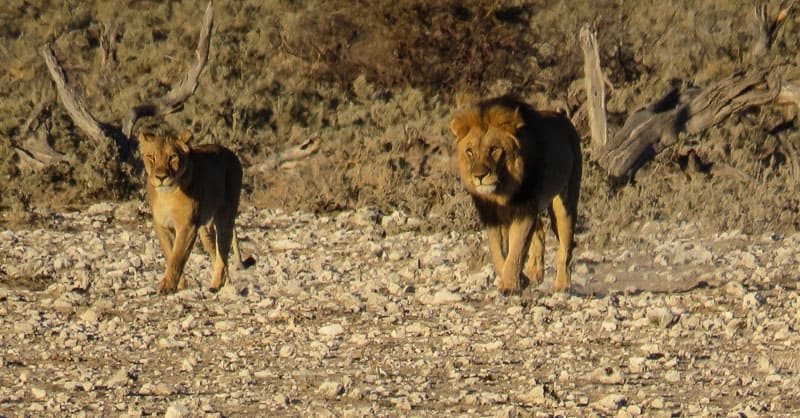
(150, 160)
(496, 153)
(469, 153)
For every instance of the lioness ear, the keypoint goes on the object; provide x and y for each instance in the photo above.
(143, 137)
(505, 119)
(185, 137)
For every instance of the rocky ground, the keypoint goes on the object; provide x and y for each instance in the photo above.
(360, 314)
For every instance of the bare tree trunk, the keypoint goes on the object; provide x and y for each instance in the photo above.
(595, 90)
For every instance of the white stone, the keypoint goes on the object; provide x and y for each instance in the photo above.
(332, 330)
(177, 410)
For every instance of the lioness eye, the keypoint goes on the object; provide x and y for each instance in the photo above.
(469, 153)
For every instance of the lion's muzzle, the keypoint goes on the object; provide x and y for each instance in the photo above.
(485, 182)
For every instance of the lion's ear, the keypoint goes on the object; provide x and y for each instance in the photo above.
(463, 122)
(505, 119)
(459, 127)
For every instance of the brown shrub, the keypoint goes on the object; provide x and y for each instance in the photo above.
(434, 46)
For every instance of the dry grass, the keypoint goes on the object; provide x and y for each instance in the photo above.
(376, 82)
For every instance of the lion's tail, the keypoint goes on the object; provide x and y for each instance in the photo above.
(243, 263)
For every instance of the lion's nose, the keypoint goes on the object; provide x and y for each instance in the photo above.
(479, 177)
(161, 177)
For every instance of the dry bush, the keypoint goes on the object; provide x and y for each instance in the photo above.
(375, 81)
(434, 46)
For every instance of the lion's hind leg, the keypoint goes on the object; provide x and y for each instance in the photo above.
(534, 268)
(562, 220)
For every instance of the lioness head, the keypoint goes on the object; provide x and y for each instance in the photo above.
(165, 158)
(488, 150)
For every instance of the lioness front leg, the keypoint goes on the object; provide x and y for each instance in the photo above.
(166, 238)
(518, 240)
(184, 240)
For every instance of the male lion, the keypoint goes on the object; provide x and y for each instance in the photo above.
(190, 190)
(516, 162)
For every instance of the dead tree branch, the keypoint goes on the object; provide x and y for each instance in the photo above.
(791, 155)
(108, 44)
(72, 101)
(174, 99)
(122, 135)
(35, 152)
(595, 90)
(766, 27)
(288, 157)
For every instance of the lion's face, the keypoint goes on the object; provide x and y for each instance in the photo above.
(165, 159)
(489, 161)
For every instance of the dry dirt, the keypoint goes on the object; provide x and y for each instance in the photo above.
(372, 294)
(356, 314)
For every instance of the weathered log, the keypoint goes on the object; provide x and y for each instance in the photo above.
(732, 94)
(648, 131)
(644, 134)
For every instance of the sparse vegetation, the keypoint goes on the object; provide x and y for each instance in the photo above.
(376, 82)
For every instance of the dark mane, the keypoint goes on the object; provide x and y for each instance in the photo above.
(509, 101)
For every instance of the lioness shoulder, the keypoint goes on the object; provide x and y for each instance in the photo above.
(516, 162)
(192, 190)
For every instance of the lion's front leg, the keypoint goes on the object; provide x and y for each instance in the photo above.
(496, 247)
(518, 239)
(185, 236)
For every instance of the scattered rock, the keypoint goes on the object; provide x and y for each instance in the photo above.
(331, 389)
(332, 330)
(405, 315)
(177, 410)
(611, 402)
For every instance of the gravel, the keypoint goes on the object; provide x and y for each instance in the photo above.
(360, 314)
